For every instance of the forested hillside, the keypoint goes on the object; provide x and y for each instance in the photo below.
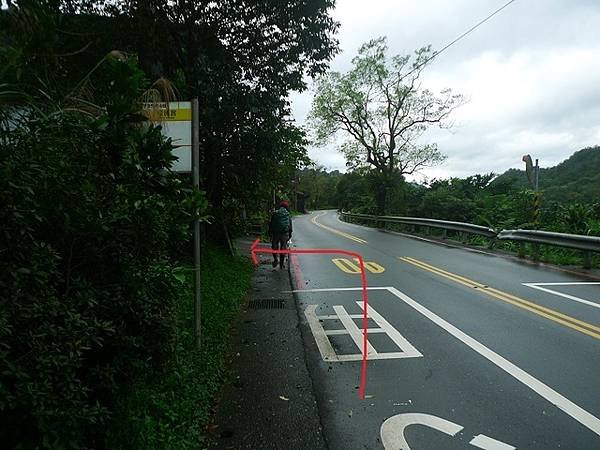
(570, 194)
(575, 180)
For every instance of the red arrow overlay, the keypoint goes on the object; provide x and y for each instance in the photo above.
(254, 249)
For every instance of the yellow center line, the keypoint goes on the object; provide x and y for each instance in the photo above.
(333, 230)
(551, 314)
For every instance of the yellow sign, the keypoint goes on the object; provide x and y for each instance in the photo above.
(173, 112)
(175, 119)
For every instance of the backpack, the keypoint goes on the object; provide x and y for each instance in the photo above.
(280, 222)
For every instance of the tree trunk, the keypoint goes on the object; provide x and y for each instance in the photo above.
(380, 197)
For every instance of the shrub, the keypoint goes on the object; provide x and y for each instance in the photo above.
(89, 209)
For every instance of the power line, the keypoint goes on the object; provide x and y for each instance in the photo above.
(460, 37)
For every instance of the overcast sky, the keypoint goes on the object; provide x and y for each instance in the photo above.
(531, 73)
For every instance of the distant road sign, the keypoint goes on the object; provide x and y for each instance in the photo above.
(176, 121)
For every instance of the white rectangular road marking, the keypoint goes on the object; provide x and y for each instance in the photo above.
(344, 331)
(350, 328)
(539, 287)
(487, 443)
(325, 348)
(353, 330)
(333, 316)
(399, 340)
(386, 355)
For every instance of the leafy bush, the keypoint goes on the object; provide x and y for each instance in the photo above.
(89, 209)
(169, 409)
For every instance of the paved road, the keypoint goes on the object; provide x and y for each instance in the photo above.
(468, 350)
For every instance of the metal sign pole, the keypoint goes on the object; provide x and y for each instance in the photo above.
(196, 185)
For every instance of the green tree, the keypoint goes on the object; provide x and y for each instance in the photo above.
(93, 222)
(319, 185)
(381, 111)
(352, 193)
(241, 58)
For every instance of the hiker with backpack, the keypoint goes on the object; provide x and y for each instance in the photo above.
(280, 231)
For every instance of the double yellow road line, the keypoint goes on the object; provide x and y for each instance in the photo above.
(551, 314)
(338, 232)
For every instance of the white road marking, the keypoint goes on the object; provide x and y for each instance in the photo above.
(325, 348)
(370, 288)
(576, 412)
(566, 283)
(487, 443)
(399, 340)
(539, 287)
(354, 331)
(350, 328)
(392, 430)
(369, 331)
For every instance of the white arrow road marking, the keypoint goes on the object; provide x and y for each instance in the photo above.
(392, 430)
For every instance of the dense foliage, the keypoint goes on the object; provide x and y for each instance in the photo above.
(95, 224)
(575, 180)
(240, 58)
(91, 222)
(169, 409)
(569, 196)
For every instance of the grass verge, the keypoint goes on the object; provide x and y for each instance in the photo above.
(169, 410)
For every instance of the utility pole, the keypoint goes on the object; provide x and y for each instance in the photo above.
(196, 186)
(536, 196)
(533, 174)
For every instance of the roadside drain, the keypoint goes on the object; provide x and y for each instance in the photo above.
(267, 303)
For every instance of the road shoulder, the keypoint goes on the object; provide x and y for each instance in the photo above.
(268, 402)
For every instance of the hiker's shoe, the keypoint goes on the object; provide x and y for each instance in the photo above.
(282, 265)
(274, 264)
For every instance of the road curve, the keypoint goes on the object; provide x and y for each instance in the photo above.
(466, 349)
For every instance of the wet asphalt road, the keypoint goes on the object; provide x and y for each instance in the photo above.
(468, 350)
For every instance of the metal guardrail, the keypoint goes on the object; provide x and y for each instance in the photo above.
(587, 244)
(434, 223)
(576, 241)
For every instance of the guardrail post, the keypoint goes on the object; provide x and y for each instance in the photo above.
(521, 249)
(444, 234)
(587, 259)
(536, 252)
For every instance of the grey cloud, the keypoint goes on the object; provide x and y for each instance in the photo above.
(549, 104)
